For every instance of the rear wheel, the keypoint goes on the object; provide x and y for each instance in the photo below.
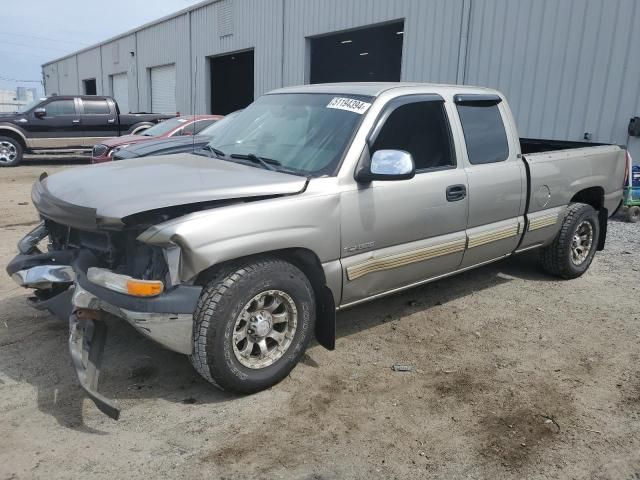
(572, 251)
(252, 325)
(10, 152)
(633, 214)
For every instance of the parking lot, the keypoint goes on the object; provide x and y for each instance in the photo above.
(513, 374)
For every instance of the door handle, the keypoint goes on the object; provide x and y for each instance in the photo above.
(111, 120)
(76, 121)
(456, 192)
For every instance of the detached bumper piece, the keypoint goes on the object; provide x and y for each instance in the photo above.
(87, 338)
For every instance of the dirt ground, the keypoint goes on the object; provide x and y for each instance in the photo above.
(515, 375)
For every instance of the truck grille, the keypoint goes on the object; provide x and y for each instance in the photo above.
(100, 150)
(117, 250)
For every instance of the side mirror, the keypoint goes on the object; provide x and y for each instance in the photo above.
(386, 165)
(40, 112)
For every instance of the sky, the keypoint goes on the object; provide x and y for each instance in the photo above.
(36, 31)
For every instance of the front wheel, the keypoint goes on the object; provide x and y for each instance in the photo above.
(572, 250)
(10, 152)
(252, 325)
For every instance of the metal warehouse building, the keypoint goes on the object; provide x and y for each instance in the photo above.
(570, 68)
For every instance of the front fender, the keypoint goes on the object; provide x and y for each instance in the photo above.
(16, 130)
(229, 232)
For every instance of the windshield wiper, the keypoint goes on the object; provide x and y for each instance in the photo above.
(266, 163)
(217, 152)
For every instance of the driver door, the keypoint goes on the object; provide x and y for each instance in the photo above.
(60, 127)
(399, 233)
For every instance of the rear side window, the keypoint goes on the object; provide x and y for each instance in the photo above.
(196, 127)
(484, 133)
(96, 107)
(201, 125)
(422, 129)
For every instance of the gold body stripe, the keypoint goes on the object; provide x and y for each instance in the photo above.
(427, 253)
(64, 142)
(493, 235)
(406, 258)
(542, 222)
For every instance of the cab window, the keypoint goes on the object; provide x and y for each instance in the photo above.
(57, 108)
(484, 133)
(96, 107)
(422, 129)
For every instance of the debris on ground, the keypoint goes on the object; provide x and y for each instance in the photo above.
(402, 368)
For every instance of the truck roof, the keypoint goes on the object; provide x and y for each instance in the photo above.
(373, 89)
(83, 97)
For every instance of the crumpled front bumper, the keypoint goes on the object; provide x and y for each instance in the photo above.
(87, 337)
(62, 287)
(51, 275)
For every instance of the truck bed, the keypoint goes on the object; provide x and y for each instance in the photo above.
(539, 145)
(559, 173)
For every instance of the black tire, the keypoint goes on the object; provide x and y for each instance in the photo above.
(13, 145)
(223, 300)
(557, 257)
(633, 214)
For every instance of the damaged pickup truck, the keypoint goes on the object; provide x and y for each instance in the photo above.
(314, 199)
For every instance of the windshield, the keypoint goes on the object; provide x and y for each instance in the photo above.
(215, 128)
(164, 127)
(30, 105)
(302, 132)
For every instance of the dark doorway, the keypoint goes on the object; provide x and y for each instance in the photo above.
(231, 82)
(89, 86)
(371, 54)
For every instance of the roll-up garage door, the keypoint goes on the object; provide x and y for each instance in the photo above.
(163, 89)
(120, 91)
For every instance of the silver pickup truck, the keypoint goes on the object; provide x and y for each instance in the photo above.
(314, 199)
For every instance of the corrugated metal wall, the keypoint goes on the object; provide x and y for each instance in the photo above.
(164, 44)
(50, 78)
(116, 59)
(254, 24)
(89, 66)
(68, 75)
(567, 66)
(431, 38)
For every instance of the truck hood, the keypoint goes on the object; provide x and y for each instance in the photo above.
(126, 140)
(102, 195)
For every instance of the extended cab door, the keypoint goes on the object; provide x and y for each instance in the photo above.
(397, 233)
(58, 128)
(496, 176)
(99, 120)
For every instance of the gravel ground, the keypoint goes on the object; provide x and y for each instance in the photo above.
(515, 375)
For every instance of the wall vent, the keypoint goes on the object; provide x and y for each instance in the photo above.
(115, 52)
(225, 17)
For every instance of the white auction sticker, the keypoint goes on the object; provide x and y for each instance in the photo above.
(349, 104)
